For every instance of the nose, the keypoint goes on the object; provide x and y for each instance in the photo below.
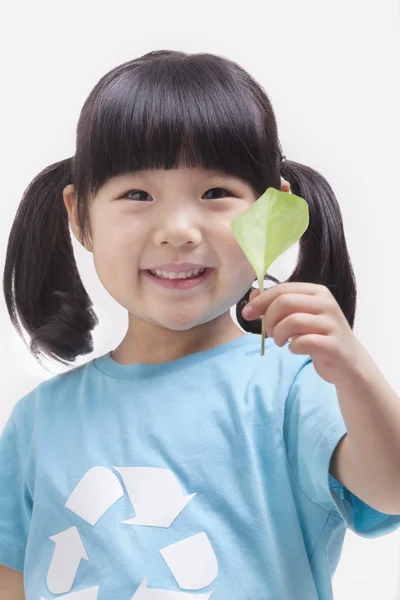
(178, 232)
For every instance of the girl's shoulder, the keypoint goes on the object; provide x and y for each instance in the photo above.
(51, 390)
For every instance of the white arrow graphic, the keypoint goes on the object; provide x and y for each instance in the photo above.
(64, 564)
(145, 593)
(155, 494)
(89, 594)
(192, 561)
(96, 492)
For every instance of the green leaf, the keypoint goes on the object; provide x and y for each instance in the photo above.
(274, 223)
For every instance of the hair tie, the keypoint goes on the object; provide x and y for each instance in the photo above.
(283, 160)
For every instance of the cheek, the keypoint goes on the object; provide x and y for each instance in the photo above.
(237, 257)
(239, 271)
(115, 250)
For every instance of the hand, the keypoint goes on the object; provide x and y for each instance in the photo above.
(310, 315)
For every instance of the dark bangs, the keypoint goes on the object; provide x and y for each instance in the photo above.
(169, 109)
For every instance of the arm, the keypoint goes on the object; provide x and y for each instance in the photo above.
(367, 461)
(11, 584)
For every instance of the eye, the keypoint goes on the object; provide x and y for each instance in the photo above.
(218, 191)
(145, 196)
(128, 195)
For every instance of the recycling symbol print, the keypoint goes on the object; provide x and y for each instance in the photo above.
(157, 500)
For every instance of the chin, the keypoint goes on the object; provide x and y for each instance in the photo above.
(180, 326)
(182, 322)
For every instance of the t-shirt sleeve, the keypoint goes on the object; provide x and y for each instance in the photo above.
(313, 427)
(15, 496)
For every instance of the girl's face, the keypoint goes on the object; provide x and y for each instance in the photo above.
(149, 218)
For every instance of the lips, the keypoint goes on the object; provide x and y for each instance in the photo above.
(192, 274)
(179, 284)
(176, 268)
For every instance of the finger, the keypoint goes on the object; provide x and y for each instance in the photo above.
(260, 304)
(254, 294)
(282, 306)
(308, 344)
(300, 324)
(288, 304)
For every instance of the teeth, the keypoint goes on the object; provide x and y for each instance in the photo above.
(183, 275)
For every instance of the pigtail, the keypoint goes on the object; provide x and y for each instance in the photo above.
(41, 284)
(323, 254)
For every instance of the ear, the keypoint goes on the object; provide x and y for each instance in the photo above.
(285, 186)
(71, 206)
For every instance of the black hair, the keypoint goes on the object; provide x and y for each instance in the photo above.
(162, 110)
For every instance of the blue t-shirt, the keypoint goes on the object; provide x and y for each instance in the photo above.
(203, 476)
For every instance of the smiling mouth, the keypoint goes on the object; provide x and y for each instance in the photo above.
(192, 274)
(186, 281)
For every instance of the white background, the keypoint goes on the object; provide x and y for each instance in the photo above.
(331, 71)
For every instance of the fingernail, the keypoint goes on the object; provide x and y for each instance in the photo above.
(247, 311)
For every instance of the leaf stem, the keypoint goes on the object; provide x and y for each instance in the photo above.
(262, 336)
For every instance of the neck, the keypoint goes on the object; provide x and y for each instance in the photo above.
(147, 343)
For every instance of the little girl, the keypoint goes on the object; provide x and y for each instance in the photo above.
(183, 464)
